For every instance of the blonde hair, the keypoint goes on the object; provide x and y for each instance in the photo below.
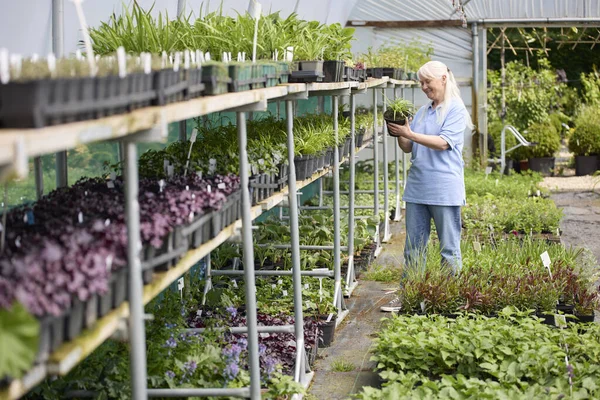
(436, 70)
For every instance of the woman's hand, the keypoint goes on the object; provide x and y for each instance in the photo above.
(400, 130)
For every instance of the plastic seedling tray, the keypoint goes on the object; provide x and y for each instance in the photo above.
(170, 86)
(39, 103)
(195, 86)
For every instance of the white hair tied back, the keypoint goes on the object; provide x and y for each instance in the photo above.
(437, 70)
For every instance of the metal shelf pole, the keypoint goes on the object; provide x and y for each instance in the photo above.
(58, 13)
(351, 188)
(295, 242)
(182, 124)
(376, 171)
(136, 305)
(337, 297)
(386, 195)
(250, 284)
(405, 156)
(398, 212)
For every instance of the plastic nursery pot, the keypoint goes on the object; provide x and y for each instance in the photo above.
(388, 116)
(112, 95)
(259, 78)
(333, 71)
(215, 78)
(327, 329)
(241, 77)
(543, 165)
(170, 86)
(586, 165)
(375, 73)
(195, 86)
(198, 231)
(316, 66)
(39, 103)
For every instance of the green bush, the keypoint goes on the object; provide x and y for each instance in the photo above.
(547, 139)
(585, 137)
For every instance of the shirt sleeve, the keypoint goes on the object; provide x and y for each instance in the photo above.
(453, 128)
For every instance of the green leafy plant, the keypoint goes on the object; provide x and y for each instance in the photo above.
(585, 137)
(398, 111)
(341, 365)
(383, 273)
(19, 331)
(546, 138)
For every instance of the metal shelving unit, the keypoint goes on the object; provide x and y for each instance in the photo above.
(149, 124)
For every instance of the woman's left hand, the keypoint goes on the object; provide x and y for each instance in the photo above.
(400, 130)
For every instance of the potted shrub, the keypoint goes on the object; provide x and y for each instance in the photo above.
(547, 142)
(398, 111)
(584, 142)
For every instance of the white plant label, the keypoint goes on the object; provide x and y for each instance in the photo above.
(194, 135)
(180, 285)
(52, 64)
(4, 66)
(279, 282)
(538, 193)
(423, 306)
(560, 321)
(113, 176)
(121, 62)
(306, 286)
(199, 174)
(488, 170)
(177, 62)
(186, 59)
(161, 185)
(110, 184)
(497, 182)
(191, 216)
(221, 186)
(193, 56)
(80, 217)
(170, 171)
(235, 285)
(285, 293)
(546, 260)
(208, 189)
(163, 59)
(187, 188)
(477, 247)
(147, 63)
(107, 222)
(108, 261)
(224, 57)
(207, 56)
(273, 286)
(89, 51)
(329, 317)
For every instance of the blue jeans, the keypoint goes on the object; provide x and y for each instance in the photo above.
(418, 228)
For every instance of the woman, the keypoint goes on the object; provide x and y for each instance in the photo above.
(435, 185)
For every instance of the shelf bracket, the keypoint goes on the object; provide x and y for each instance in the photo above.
(18, 168)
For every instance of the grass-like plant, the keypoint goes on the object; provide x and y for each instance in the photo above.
(341, 365)
(398, 111)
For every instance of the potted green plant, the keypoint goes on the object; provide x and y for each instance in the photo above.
(398, 111)
(584, 142)
(547, 142)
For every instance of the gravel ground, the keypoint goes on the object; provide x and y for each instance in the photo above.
(572, 183)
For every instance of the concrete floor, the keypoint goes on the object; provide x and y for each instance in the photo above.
(354, 337)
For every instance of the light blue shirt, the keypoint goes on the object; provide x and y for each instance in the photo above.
(436, 177)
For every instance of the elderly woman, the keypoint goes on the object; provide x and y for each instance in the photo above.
(435, 186)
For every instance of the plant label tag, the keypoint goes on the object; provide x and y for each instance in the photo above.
(108, 261)
(187, 188)
(208, 189)
(243, 56)
(254, 9)
(546, 260)
(18, 241)
(477, 247)
(80, 217)
(186, 59)
(177, 61)
(235, 285)
(191, 216)
(4, 66)
(529, 192)
(147, 63)
(221, 186)
(180, 284)
(497, 182)
(276, 55)
(207, 56)
(224, 57)
(560, 321)
(194, 135)
(199, 313)
(306, 286)
(52, 64)
(170, 171)
(121, 62)
(285, 293)
(538, 193)
(279, 281)
(273, 286)
(161, 185)
(110, 184)
(488, 170)
(329, 317)
(107, 222)
(289, 54)
(113, 176)
(199, 174)
(423, 306)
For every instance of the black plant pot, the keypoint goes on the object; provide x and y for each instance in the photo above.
(586, 165)
(543, 165)
(170, 86)
(313, 66)
(375, 72)
(328, 330)
(333, 71)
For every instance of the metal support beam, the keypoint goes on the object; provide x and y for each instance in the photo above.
(217, 392)
(299, 368)
(58, 13)
(375, 165)
(398, 212)
(337, 296)
(39, 177)
(386, 198)
(260, 272)
(248, 251)
(351, 188)
(244, 329)
(303, 247)
(136, 305)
